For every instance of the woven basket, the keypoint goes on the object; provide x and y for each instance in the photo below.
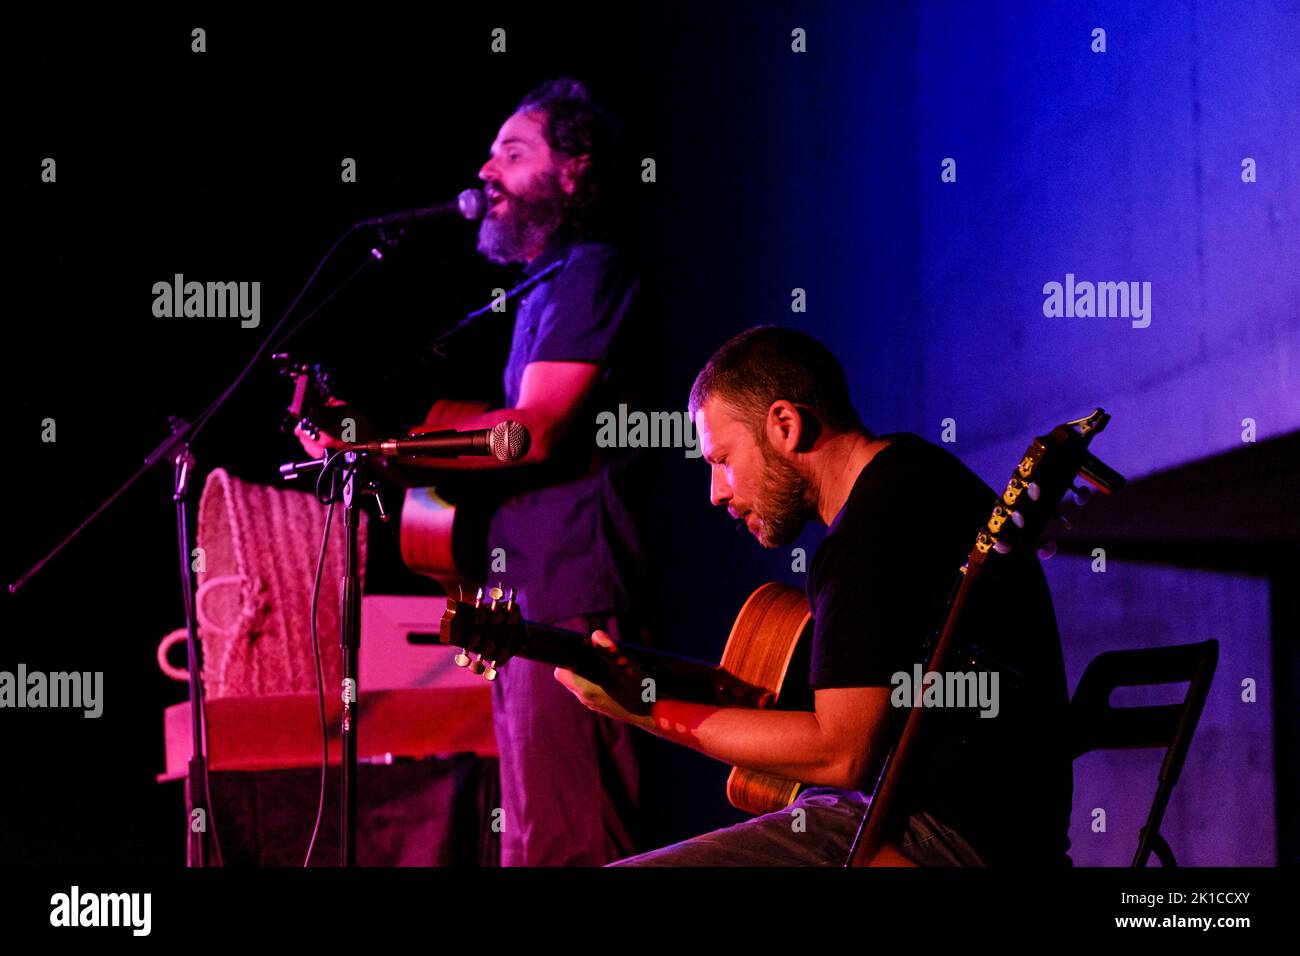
(260, 547)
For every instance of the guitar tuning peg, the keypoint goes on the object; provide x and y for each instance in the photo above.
(1013, 490)
(1033, 490)
(1017, 519)
(490, 672)
(1046, 550)
(997, 520)
(476, 666)
(1080, 495)
(478, 598)
(462, 659)
(1001, 547)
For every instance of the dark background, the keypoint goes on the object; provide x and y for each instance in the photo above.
(775, 171)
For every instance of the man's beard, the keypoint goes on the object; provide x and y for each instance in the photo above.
(527, 223)
(783, 505)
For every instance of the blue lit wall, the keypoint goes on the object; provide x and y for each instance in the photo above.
(1117, 166)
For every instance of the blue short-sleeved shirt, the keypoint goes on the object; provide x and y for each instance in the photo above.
(571, 544)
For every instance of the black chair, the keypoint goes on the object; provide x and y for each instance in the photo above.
(1096, 725)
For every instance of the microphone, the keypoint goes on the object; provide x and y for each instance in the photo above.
(470, 204)
(505, 441)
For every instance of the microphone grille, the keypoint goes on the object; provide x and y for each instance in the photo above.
(472, 203)
(509, 441)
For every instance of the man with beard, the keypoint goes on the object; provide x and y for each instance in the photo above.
(786, 446)
(569, 778)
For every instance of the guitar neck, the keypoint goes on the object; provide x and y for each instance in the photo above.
(680, 678)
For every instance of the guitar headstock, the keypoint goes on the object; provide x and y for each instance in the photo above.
(311, 393)
(1044, 476)
(489, 629)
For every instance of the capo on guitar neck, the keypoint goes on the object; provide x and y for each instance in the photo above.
(1100, 475)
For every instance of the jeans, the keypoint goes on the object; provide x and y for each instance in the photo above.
(819, 836)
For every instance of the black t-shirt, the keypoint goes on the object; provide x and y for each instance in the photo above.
(574, 537)
(878, 587)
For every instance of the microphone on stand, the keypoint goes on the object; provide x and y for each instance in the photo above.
(470, 204)
(505, 441)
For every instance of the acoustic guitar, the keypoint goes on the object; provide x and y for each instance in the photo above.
(444, 528)
(762, 665)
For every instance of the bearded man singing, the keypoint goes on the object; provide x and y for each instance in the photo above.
(572, 541)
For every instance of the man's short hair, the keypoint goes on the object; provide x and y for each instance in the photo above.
(575, 126)
(769, 363)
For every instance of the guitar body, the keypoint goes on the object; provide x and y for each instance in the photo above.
(760, 649)
(773, 626)
(439, 539)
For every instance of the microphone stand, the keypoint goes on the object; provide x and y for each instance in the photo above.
(196, 779)
(349, 628)
(177, 449)
(350, 644)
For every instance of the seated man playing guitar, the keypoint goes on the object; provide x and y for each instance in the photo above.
(785, 445)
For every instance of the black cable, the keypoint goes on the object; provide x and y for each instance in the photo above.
(435, 347)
